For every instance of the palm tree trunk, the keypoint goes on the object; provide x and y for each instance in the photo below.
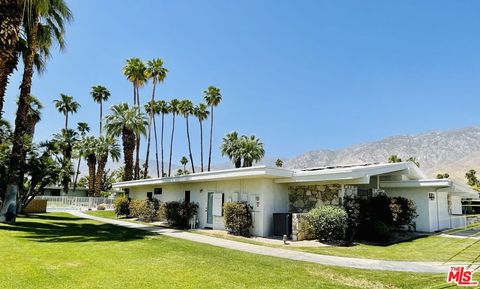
(161, 141)
(128, 138)
(137, 157)
(66, 121)
(134, 94)
(156, 145)
(91, 162)
(189, 146)
(201, 144)
(211, 136)
(147, 157)
(77, 173)
(10, 18)
(17, 159)
(99, 174)
(171, 147)
(101, 114)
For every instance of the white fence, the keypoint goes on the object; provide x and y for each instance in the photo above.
(78, 203)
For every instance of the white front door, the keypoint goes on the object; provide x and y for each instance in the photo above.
(210, 210)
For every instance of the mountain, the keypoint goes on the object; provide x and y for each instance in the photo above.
(454, 152)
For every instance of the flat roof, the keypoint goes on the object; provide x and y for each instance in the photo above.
(353, 174)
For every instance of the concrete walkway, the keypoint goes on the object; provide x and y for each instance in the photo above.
(372, 264)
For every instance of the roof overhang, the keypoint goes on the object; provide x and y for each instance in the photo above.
(439, 185)
(230, 174)
(353, 174)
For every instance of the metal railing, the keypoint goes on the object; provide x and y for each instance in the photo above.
(78, 203)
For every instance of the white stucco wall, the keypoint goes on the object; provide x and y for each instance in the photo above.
(272, 198)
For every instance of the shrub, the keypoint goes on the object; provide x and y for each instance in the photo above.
(378, 208)
(374, 231)
(121, 204)
(101, 207)
(178, 214)
(351, 205)
(404, 211)
(327, 223)
(144, 210)
(238, 218)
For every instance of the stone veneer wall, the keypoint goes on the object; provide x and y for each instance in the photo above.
(304, 198)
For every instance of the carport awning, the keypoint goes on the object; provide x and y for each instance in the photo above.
(440, 185)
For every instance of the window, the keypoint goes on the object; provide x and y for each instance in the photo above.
(217, 204)
(187, 196)
(55, 192)
(157, 191)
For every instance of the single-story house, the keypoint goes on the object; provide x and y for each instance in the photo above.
(272, 190)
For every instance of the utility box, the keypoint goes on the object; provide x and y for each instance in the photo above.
(282, 224)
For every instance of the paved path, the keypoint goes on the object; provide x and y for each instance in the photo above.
(420, 267)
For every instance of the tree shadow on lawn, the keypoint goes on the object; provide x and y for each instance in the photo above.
(72, 229)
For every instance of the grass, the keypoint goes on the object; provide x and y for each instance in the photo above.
(58, 250)
(431, 248)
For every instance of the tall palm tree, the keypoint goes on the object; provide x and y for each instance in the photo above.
(126, 122)
(201, 113)
(106, 146)
(174, 103)
(66, 105)
(157, 73)
(83, 128)
(134, 70)
(10, 19)
(66, 141)
(164, 108)
(252, 150)
(186, 108)
(212, 98)
(231, 147)
(43, 25)
(100, 94)
(152, 109)
(184, 162)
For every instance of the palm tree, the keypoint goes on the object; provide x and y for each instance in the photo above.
(212, 98)
(106, 146)
(394, 159)
(184, 162)
(174, 103)
(100, 94)
(34, 115)
(66, 105)
(157, 73)
(164, 108)
(66, 140)
(186, 108)
(414, 160)
(44, 24)
(10, 19)
(279, 163)
(83, 128)
(201, 113)
(127, 122)
(231, 147)
(152, 109)
(89, 149)
(251, 149)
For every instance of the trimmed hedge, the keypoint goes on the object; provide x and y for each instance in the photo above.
(178, 214)
(327, 223)
(121, 204)
(144, 210)
(238, 218)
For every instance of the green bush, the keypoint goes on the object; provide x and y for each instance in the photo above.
(327, 223)
(178, 214)
(121, 204)
(238, 218)
(404, 211)
(378, 208)
(351, 205)
(374, 231)
(144, 210)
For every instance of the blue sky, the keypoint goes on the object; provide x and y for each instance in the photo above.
(301, 75)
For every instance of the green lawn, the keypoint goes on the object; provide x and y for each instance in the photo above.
(62, 251)
(432, 248)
